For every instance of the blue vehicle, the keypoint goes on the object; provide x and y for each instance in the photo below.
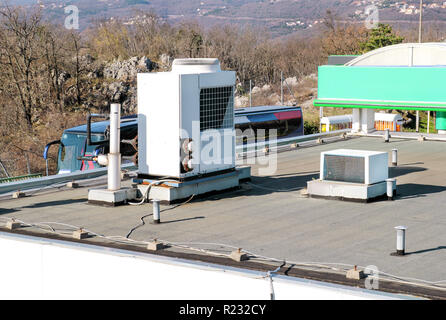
(77, 145)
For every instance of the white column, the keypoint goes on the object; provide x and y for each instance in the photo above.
(367, 120)
(363, 120)
(417, 122)
(356, 124)
(321, 115)
(428, 121)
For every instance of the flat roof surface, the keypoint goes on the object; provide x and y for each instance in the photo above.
(270, 217)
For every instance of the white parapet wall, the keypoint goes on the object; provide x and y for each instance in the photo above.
(37, 268)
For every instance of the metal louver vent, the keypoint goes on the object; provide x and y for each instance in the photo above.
(344, 168)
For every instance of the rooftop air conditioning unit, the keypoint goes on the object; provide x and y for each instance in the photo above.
(353, 175)
(186, 120)
(355, 166)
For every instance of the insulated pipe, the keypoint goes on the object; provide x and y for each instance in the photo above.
(400, 240)
(114, 157)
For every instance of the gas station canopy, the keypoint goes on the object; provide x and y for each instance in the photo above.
(404, 76)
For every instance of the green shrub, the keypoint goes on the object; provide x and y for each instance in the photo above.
(311, 127)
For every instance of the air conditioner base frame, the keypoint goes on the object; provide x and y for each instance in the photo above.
(347, 191)
(104, 197)
(146, 177)
(179, 191)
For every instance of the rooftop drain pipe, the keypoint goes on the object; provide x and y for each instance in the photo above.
(400, 241)
(387, 135)
(395, 157)
(391, 189)
(156, 211)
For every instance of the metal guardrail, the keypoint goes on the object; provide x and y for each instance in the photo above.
(94, 173)
(288, 141)
(21, 178)
(57, 179)
(406, 135)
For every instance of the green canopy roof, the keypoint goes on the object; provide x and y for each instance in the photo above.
(407, 88)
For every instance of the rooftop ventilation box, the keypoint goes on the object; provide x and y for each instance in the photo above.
(355, 166)
(186, 120)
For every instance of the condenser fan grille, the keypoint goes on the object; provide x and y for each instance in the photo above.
(216, 108)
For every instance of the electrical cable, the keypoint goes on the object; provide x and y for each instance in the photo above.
(150, 214)
(273, 189)
(269, 275)
(206, 243)
(183, 245)
(326, 265)
(146, 193)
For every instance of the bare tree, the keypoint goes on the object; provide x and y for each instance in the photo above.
(78, 67)
(19, 51)
(54, 57)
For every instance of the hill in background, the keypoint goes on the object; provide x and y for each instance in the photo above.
(280, 17)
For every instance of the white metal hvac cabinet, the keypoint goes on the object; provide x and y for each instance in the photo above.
(355, 166)
(186, 120)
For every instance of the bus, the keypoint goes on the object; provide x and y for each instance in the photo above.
(288, 122)
(74, 147)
